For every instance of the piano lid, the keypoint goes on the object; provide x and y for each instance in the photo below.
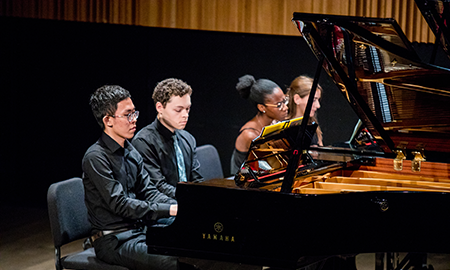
(402, 101)
(437, 15)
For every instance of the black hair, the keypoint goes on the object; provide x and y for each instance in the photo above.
(104, 101)
(255, 90)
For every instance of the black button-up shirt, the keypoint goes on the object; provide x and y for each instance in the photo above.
(118, 190)
(155, 143)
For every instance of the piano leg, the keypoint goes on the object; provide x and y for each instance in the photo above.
(379, 261)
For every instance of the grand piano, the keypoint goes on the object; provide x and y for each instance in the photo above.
(386, 189)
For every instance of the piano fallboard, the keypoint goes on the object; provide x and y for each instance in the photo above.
(261, 227)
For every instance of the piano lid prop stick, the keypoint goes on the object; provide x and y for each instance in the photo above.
(298, 147)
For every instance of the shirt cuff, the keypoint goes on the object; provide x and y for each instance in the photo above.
(163, 211)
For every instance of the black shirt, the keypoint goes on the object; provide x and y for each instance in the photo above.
(118, 190)
(155, 143)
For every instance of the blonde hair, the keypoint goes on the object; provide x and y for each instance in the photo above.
(302, 86)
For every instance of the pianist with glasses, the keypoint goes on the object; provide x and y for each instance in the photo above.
(271, 105)
(118, 191)
(298, 93)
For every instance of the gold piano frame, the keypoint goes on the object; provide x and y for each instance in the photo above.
(433, 177)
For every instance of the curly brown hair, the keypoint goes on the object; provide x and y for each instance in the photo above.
(167, 88)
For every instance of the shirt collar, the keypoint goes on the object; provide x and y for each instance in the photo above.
(112, 144)
(164, 131)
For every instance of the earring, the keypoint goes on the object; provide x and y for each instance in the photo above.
(264, 111)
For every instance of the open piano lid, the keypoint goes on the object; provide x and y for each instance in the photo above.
(402, 101)
(437, 15)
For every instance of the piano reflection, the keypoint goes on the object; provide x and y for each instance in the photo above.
(387, 190)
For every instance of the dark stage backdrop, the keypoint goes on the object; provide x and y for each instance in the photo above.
(48, 69)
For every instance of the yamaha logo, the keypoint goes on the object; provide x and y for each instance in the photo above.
(218, 236)
(218, 227)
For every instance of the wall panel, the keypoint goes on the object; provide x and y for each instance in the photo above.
(250, 16)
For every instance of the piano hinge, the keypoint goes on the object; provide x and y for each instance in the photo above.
(419, 156)
(400, 156)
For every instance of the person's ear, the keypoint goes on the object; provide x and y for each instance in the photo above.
(261, 108)
(107, 121)
(297, 99)
(159, 107)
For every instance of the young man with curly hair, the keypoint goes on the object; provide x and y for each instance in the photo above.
(168, 150)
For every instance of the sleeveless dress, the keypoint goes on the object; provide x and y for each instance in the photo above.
(238, 157)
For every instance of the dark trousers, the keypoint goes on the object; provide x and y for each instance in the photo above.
(129, 249)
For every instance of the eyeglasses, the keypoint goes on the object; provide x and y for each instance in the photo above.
(130, 117)
(280, 104)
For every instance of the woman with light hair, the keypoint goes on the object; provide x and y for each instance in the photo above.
(298, 93)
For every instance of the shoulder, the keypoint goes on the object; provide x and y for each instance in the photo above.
(245, 139)
(145, 132)
(251, 125)
(249, 133)
(185, 134)
(95, 149)
(147, 136)
(188, 138)
(190, 141)
(249, 129)
(96, 153)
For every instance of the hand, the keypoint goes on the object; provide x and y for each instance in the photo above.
(173, 209)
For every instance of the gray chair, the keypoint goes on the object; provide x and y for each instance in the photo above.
(69, 222)
(210, 165)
